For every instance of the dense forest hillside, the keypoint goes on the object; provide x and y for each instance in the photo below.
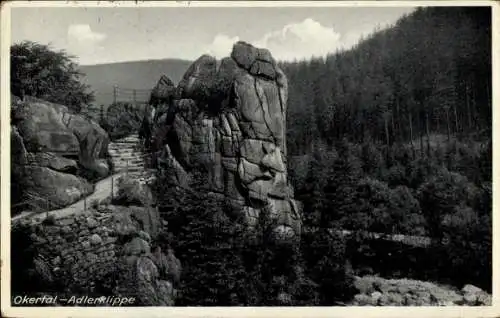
(394, 136)
(428, 74)
(140, 75)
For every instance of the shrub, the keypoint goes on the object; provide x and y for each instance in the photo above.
(131, 192)
(39, 71)
(325, 257)
(122, 118)
(94, 204)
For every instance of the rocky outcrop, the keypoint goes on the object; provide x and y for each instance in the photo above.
(376, 291)
(161, 97)
(54, 154)
(229, 120)
(163, 92)
(109, 250)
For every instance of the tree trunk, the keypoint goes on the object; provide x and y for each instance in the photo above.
(456, 119)
(411, 136)
(362, 124)
(448, 122)
(469, 114)
(421, 134)
(438, 124)
(393, 129)
(427, 133)
(386, 127)
(474, 114)
(398, 119)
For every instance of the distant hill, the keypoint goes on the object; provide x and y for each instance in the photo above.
(140, 75)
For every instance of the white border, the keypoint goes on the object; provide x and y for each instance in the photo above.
(8, 311)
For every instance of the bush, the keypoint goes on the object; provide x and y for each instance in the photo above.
(467, 253)
(131, 192)
(94, 204)
(38, 71)
(324, 252)
(122, 119)
(440, 196)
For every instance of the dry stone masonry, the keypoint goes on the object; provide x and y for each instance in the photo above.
(228, 118)
(104, 251)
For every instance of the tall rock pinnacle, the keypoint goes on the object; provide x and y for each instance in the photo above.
(229, 119)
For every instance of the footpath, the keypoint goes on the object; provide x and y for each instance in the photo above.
(102, 191)
(127, 159)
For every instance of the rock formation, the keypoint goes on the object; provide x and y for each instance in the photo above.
(54, 153)
(229, 119)
(155, 117)
(163, 92)
(377, 291)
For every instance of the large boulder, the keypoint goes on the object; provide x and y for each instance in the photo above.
(55, 154)
(57, 188)
(229, 120)
(198, 79)
(163, 92)
(44, 127)
(258, 62)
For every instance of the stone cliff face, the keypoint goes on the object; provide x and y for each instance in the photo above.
(229, 119)
(54, 152)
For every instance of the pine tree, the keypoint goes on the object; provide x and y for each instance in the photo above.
(339, 190)
(207, 243)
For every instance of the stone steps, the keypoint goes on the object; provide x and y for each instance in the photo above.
(120, 149)
(134, 138)
(129, 169)
(123, 151)
(131, 161)
(123, 147)
(128, 158)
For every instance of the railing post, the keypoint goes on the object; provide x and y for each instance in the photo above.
(112, 184)
(114, 94)
(85, 204)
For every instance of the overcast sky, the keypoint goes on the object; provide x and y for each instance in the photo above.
(105, 35)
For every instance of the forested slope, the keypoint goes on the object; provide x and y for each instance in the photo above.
(394, 136)
(428, 74)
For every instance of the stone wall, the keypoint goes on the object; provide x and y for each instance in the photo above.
(107, 251)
